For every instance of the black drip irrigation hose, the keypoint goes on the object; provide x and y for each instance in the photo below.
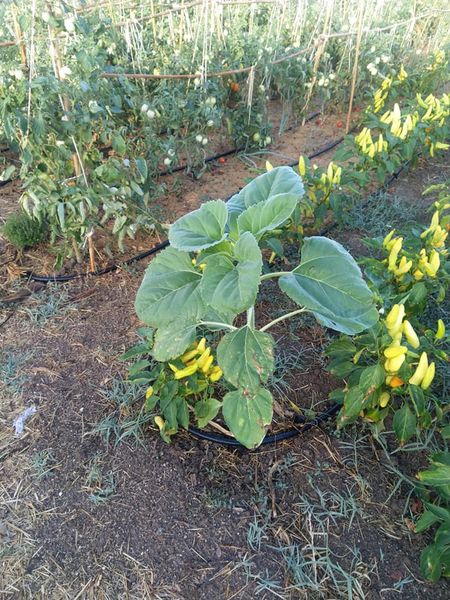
(230, 152)
(305, 426)
(64, 278)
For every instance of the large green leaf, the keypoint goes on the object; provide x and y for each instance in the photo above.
(232, 284)
(329, 283)
(248, 414)
(172, 340)
(169, 290)
(200, 228)
(404, 423)
(246, 357)
(268, 215)
(281, 180)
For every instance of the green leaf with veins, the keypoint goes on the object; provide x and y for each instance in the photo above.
(329, 282)
(200, 228)
(230, 284)
(246, 357)
(170, 290)
(248, 414)
(267, 215)
(172, 340)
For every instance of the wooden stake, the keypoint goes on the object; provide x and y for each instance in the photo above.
(19, 38)
(355, 64)
(57, 65)
(90, 240)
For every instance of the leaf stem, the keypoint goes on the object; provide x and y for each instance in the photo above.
(283, 317)
(251, 317)
(274, 274)
(217, 324)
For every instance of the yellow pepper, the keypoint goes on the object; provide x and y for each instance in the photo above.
(402, 75)
(203, 358)
(420, 371)
(393, 254)
(384, 399)
(301, 166)
(216, 374)
(433, 225)
(439, 237)
(394, 351)
(410, 334)
(395, 316)
(187, 356)
(269, 167)
(160, 423)
(428, 377)
(403, 266)
(186, 372)
(201, 346)
(149, 392)
(440, 333)
(207, 364)
(387, 240)
(392, 365)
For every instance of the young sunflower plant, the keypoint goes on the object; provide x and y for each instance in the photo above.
(211, 274)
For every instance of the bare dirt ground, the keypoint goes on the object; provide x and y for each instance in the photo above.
(93, 505)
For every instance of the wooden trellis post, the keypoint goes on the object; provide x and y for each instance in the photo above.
(67, 105)
(355, 64)
(19, 38)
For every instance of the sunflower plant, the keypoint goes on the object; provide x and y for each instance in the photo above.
(209, 279)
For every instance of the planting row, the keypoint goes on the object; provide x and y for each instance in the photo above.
(90, 147)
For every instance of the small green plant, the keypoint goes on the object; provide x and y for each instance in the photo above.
(23, 231)
(212, 273)
(11, 370)
(43, 463)
(100, 486)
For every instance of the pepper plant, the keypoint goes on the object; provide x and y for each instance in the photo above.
(212, 273)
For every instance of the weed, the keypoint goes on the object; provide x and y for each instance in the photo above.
(43, 463)
(257, 532)
(217, 498)
(99, 485)
(126, 421)
(11, 364)
(287, 361)
(330, 505)
(23, 231)
(379, 213)
(51, 303)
